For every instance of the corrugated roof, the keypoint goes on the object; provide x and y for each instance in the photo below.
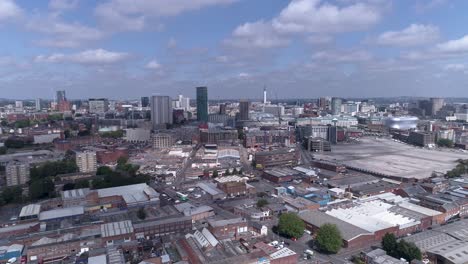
(60, 213)
(30, 210)
(116, 228)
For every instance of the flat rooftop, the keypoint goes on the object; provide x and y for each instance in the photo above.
(391, 158)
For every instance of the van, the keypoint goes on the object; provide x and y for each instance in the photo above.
(307, 231)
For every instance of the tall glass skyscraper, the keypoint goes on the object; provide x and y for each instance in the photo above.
(202, 104)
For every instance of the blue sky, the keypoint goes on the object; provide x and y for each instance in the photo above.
(297, 48)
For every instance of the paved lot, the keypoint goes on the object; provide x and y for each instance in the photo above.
(394, 158)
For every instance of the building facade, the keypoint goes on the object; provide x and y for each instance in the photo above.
(98, 105)
(202, 104)
(161, 111)
(86, 161)
(17, 173)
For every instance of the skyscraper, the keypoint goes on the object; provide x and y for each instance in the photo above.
(244, 110)
(86, 161)
(38, 104)
(161, 111)
(264, 95)
(202, 104)
(336, 105)
(436, 105)
(144, 101)
(222, 109)
(17, 173)
(61, 96)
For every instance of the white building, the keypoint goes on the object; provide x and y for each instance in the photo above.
(17, 173)
(137, 135)
(86, 161)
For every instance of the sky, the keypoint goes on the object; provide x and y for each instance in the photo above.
(125, 49)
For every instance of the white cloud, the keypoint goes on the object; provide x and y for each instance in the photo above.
(415, 34)
(63, 4)
(9, 10)
(258, 34)
(316, 17)
(244, 75)
(342, 56)
(62, 34)
(319, 39)
(119, 15)
(456, 67)
(454, 46)
(153, 65)
(97, 56)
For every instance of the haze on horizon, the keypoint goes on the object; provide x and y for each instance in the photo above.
(296, 48)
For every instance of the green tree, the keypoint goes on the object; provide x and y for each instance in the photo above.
(68, 186)
(443, 142)
(215, 173)
(3, 150)
(408, 251)
(39, 189)
(235, 172)
(141, 214)
(104, 170)
(290, 225)
(14, 143)
(261, 203)
(329, 239)
(389, 244)
(82, 184)
(13, 194)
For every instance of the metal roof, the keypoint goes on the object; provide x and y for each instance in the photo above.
(116, 228)
(60, 213)
(30, 210)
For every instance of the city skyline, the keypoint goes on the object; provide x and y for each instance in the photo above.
(296, 48)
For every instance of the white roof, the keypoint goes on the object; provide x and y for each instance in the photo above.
(336, 190)
(231, 178)
(76, 193)
(372, 216)
(59, 213)
(420, 209)
(116, 228)
(136, 193)
(284, 252)
(211, 239)
(30, 209)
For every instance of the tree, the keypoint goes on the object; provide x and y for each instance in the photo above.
(68, 186)
(329, 239)
(104, 170)
(43, 188)
(290, 225)
(402, 249)
(3, 150)
(215, 174)
(141, 214)
(14, 143)
(235, 172)
(443, 142)
(389, 244)
(66, 133)
(13, 194)
(408, 251)
(82, 184)
(261, 203)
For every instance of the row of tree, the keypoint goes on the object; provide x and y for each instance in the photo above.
(400, 249)
(460, 169)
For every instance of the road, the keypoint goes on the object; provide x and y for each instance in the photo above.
(180, 174)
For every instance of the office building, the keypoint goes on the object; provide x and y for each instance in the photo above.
(161, 111)
(436, 105)
(222, 109)
(336, 106)
(323, 103)
(276, 110)
(19, 106)
(244, 110)
(421, 138)
(144, 101)
(17, 173)
(184, 102)
(202, 104)
(61, 96)
(86, 161)
(163, 140)
(137, 135)
(264, 96)
(98, 105)
(38, 104)
(278, 157)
